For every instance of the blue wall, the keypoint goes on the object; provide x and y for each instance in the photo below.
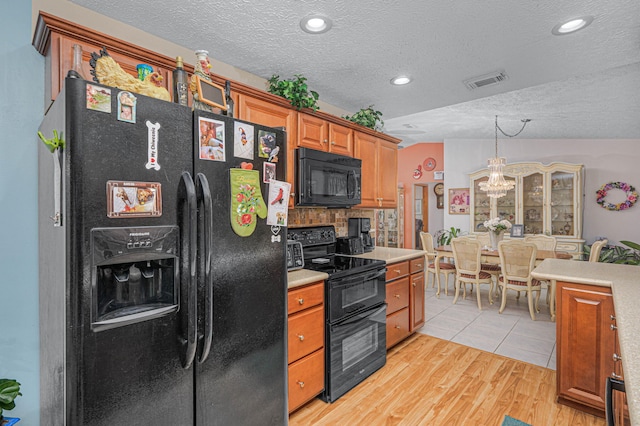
(21, 107)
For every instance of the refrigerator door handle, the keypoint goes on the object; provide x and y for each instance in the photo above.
(187, 217)
(205, 239)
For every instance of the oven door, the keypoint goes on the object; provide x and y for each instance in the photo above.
(355, 293)
(356, 348)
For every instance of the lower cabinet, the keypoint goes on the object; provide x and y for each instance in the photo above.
(405, 299)
(306, 343)
(586, 346)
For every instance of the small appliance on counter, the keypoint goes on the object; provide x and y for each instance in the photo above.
(349, 245)
(359, 227)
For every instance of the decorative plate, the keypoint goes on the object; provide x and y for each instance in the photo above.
(429, 164)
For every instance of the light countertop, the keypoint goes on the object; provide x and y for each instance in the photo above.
(392, 255)
(624, 281)
(302, 277)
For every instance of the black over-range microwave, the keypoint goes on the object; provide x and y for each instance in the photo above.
(327, 180)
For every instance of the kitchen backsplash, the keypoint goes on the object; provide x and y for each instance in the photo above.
(337, 217)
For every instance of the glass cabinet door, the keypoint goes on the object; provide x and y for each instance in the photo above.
(533, 203)
(507, 205)
(481, 206)
(562, 205)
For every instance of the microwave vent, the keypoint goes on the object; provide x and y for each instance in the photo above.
(486, 80)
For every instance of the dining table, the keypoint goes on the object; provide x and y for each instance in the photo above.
(488, 255)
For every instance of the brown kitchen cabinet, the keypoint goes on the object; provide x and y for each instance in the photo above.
(305, 343)
(417, 307)
(322, 135)
(405, 299)
(586, 342)
(379, 170)
(263, 112)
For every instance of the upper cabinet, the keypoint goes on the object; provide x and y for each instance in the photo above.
(547, 199)
(54, 38)
(269, 114)
(322, 135)
(379, 171)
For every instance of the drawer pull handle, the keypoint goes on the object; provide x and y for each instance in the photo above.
(613, 327)
(397, 296)
(301, 301)
(397, 271)
(613, 317)
(414, 284)
(615, 376)
(419, 265)
(617, 357)
(398, 327)
(301, 337)
(301, 383)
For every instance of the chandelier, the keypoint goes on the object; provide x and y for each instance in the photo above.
(497, 186)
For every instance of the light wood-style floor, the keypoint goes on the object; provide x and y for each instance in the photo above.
(429, 381)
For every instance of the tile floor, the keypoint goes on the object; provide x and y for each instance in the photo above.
(512, 334)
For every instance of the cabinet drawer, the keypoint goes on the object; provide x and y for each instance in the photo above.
(305, 297)
(306, 379)
(416, 265)
(306, 332)
(397, 295)
(397, 270)
(397, 327)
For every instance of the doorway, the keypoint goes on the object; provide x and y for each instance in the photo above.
(421, 213)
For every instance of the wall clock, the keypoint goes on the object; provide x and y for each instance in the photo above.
(439, 191)
(429, 164)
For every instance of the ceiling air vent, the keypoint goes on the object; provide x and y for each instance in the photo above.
(486, 80)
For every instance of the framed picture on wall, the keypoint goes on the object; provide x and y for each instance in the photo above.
(458, 200)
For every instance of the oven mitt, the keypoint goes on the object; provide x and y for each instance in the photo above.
(246, 201)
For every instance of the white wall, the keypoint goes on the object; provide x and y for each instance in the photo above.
(605, 160)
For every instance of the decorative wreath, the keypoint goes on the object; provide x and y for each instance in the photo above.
(632, 196)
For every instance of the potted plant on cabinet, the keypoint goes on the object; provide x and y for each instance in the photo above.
(367, 117)
(9, 391)
(295, 90)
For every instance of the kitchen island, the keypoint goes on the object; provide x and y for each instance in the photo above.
(624, 284)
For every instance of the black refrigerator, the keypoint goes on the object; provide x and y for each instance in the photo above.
(162, 288)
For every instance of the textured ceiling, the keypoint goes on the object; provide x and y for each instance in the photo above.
(582, 85)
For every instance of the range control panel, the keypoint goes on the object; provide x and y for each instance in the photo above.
(318, 235)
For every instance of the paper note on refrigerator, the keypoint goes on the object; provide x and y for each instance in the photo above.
(278, 202)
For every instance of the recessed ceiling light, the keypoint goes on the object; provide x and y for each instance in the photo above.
(401, 80)
(315, 24)
(572, 26)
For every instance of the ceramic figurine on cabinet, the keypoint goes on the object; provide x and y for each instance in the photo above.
(202, 70)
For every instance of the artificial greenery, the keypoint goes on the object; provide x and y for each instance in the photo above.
(367, 117)
(9, 390)
(618, 254)
(444, 236)
(295, 90)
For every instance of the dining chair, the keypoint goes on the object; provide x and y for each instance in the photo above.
(517, 260)
(542, 242)
(596, 248)
(434, 264)
(466, 254)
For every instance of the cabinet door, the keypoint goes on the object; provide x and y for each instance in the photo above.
(340, 140)
(480, 206)
(585, 344)
(533, 203)
(366, 150)
(417, 301)
(562, 203)
(388, 173)
(312, 132)
(268, 114)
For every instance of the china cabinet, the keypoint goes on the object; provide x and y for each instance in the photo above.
(547, 199)
(390, 225)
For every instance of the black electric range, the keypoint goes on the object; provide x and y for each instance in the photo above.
(319, 251)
